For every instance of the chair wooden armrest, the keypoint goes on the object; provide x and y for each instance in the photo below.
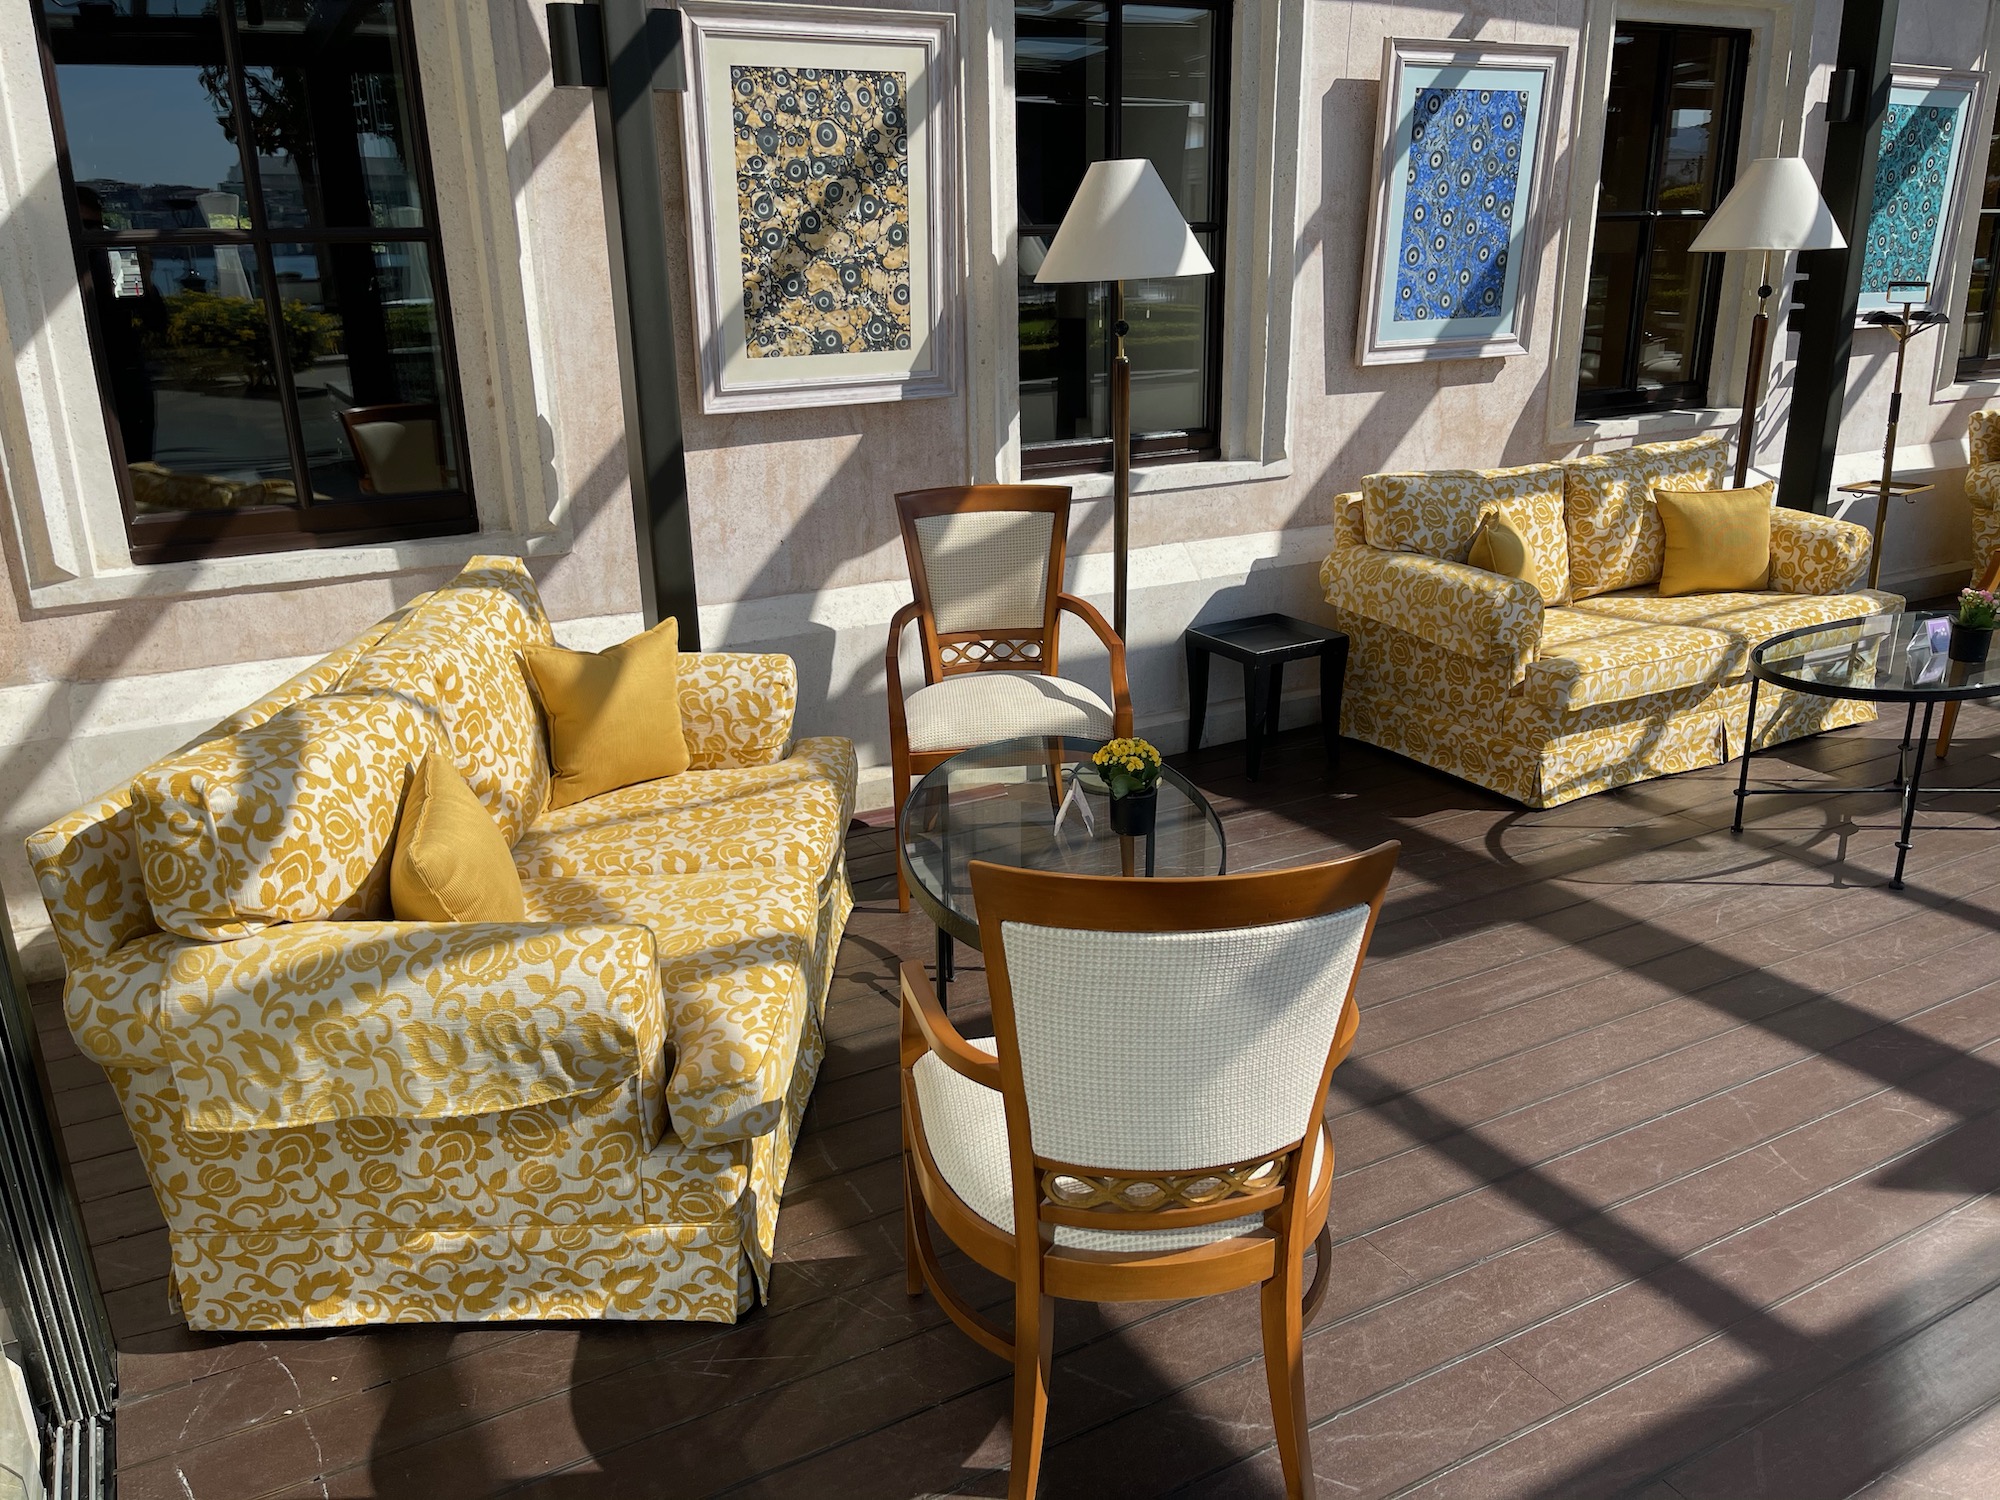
(1121, 693)
(926, 1028)
(892, 669)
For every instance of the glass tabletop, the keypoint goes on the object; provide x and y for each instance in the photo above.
(1897, 658)
(1039, 804)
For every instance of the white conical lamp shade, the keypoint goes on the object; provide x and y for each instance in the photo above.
(1122, 226)
(1775, 205)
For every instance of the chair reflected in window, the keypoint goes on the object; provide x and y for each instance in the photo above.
(396, 448)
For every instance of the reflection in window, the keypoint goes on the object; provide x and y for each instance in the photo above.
(257, 245)
(1977, 357)
(1670, 131)
(1097, 80)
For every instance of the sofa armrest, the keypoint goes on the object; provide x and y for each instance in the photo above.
(317, 1021)
(736, 707)
(1813, 554)
(1464, 609)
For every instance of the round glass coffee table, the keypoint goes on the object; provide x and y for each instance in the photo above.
(1878, 659)
(1038, 804)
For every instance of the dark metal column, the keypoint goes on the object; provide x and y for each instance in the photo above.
(1829, 289)
(632, 50)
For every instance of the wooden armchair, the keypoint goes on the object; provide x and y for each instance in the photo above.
(986, 566)
(1151, 1102)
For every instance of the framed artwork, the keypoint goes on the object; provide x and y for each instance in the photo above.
(1465, 135)
(1920, 168)
(822, 164)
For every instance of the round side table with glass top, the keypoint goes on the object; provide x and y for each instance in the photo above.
(1038, 804)
(1878, 659)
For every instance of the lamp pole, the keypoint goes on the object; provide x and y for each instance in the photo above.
(1753, 378)
(1121, 463)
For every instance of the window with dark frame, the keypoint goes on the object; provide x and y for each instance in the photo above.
(1099, 80)
(1670, 138)
(1977, 358)
(256, 239)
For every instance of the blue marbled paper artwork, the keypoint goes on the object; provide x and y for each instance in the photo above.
(1912, 176)
(1458, 203)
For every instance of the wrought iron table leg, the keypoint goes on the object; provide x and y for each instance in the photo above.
(1903, 750)
(1910, 790)
(1743, 774)
(943, 966)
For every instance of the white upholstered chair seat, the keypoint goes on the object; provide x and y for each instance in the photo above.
(978, 708)
(965, 1125)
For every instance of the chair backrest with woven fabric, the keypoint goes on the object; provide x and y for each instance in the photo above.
(986, 566)
(1166, 1045)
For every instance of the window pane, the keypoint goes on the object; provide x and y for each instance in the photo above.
(1628, 121)
(1061, 115)
(1972, 342)
(368, 365)
(1168, 347)
(1675, 296)
(187, 358)
(328, 115)
(1065, 358)
(1695, 100)
(1607, 312)
(1169, 99)
(151, 147)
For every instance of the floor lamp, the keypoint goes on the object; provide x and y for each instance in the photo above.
(1775, 205)
(1123, 225)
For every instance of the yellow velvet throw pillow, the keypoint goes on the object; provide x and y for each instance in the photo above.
(614, 716)
(1500, 547)
(1717, 541)
(452, 863)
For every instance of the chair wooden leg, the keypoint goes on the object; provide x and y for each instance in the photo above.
(1034, 1348)
(1947, 722)
(1285, 1371)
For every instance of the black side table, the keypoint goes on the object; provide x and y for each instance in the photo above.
(1264, 643)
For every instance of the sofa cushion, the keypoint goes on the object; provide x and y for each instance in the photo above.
(789, 815)
(1587, 659)
(451, 864)
(1744, 619)
(1523, 537)
(289, 821)
(1615, 541)
(1715, 541)
(457, 657)
(613, 716)
(736, 954)
(1437, 514)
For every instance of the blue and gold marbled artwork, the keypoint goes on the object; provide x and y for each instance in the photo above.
(823, 199)
(1912, 177)
(1458, 203)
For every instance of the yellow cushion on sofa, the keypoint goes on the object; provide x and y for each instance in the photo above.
(1523, 538)
(1437, 514)
(1714, 541)
(1615, 540)
(452, 864)
(457, 656)
(614, 716)
(290, 821)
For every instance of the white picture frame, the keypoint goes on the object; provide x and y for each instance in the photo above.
(1453, 301)
(857, 298)
(1920, 186)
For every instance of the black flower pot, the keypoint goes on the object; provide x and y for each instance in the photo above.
(1132, 815)
(1969, 643)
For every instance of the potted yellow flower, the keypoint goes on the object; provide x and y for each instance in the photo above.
(1131, 772)
(1972, 625)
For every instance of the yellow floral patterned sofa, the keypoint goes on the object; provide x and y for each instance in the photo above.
(1982, 487)
(1585, 678)
(351, 1119)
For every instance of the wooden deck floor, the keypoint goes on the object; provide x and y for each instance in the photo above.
(1666, 1164)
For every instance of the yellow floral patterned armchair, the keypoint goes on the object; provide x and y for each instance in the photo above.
(1584, 678)
(351, 1119)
